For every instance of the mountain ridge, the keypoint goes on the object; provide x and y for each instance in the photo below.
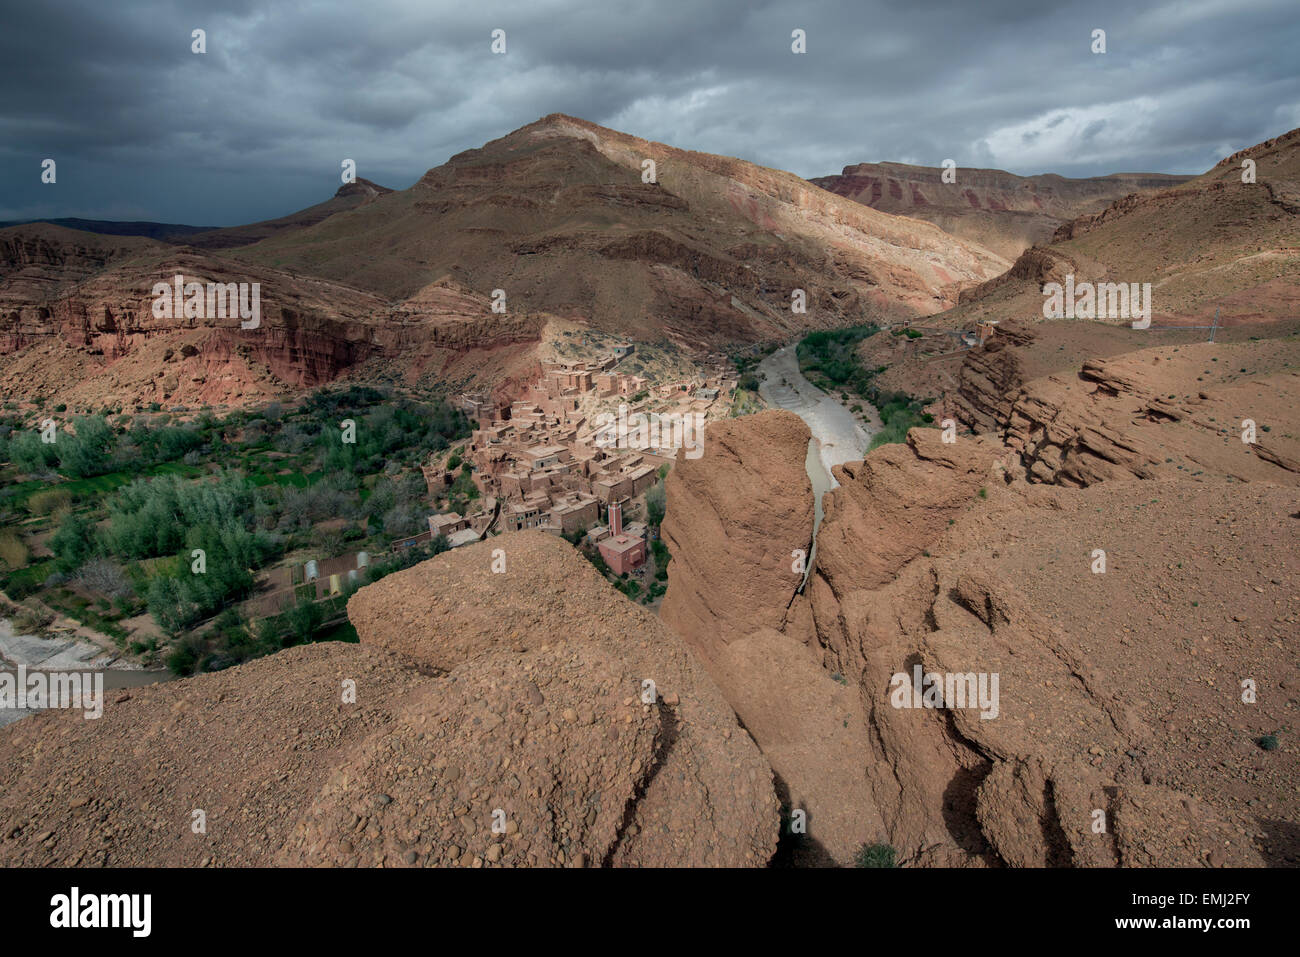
(1001, 210)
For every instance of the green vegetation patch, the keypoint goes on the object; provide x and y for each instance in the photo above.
(829, 359)
(875, 855)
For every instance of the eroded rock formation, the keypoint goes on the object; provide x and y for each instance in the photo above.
(997, 209)
(1147, 413)
(97, 340)
(1107, 742)
(741, 512)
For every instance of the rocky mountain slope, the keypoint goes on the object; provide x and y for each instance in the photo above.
(1149, 413)
(557, 214)
(348, 196)
(996, 209)
(1212, 244)
(500, 719)
(165, 232)
(41, 262)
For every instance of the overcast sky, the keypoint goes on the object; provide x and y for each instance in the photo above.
(143, 128)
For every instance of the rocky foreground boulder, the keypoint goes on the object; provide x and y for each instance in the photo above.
(554, 667)
(735, 516)
(498, 718)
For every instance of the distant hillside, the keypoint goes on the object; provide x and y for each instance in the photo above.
(1210, 244)
(167, 232)
(997, 209)
(348, 196)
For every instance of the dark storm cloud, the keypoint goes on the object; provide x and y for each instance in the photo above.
(143, 128)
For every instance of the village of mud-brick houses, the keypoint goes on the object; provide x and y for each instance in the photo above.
(539, 460)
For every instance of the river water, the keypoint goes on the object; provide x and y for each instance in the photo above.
(837, 437)
(65, 654)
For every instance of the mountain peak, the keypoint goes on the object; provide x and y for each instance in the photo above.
(361, 187)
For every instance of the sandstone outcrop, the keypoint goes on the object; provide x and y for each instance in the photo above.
(893, 504)
(988, 377)
(702, 793)
(735, 516)
(498, 720)
(811, 727)
(1143, 414)
(740, 512)
(96, 339)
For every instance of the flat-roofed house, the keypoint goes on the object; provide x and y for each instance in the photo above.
(542, 456)
(572, 511)
(446, 524)
(528, 513)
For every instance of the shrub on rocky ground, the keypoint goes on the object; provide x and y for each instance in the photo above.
(32, 620)
(13, 553)
(875, 855)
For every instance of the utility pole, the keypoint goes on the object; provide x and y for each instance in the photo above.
(1215, 326)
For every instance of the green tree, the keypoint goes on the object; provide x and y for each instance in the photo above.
(90, 451)
(303, 619)
(73, 542)
(30, 455)
(655, 504)
(170, 603)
